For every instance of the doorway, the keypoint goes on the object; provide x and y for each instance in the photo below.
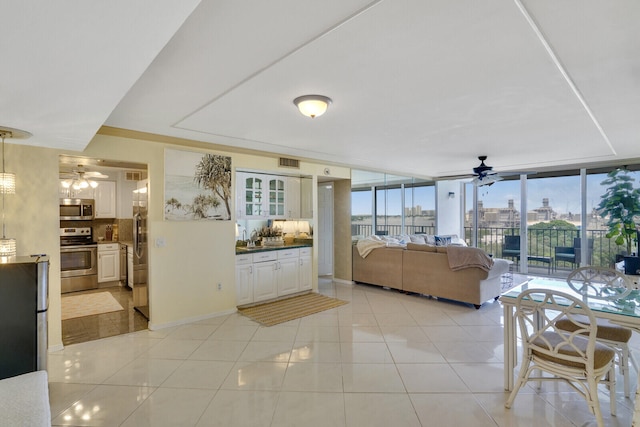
(111, 185)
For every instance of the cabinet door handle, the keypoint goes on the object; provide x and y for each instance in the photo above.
(251, 269)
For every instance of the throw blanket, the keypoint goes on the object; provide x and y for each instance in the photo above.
(365, 246)
(461, 257)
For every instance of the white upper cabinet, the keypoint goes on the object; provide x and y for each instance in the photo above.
(261, 196)
(105, 199)
(250, 195)
(292, 208)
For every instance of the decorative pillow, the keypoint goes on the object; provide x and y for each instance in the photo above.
(458, 241)
(417, 238)
(429, 239)
(421, 247)
(404, 239)
(443, 240)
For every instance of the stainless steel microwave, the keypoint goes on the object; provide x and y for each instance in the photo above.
(76, 209)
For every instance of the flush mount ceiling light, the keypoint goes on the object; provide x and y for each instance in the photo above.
(8, 186)
(312, 105)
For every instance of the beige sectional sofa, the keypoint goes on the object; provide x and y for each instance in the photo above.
(425, 269)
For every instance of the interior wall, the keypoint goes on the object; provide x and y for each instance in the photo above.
(342, 229)
(32, 217)
(198, 254)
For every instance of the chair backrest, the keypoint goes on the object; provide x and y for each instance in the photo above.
(599, 282)
(538, 310)
(512, 242)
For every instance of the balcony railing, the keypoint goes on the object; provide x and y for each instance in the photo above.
(540, 242)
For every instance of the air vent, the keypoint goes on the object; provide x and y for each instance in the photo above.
(289, 163)
(134, 176)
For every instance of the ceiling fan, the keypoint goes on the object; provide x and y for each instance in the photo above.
(80, 178)
(484, 175)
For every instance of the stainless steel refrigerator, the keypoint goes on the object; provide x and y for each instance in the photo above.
(24, 300)
(140, 246)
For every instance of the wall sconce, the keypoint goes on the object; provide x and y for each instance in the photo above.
(312, 105)
(452, 194)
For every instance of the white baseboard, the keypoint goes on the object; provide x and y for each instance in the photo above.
(344, 282)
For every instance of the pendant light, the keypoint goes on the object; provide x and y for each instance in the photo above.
(8, 186)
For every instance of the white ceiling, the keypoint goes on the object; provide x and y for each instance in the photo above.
(419, 87)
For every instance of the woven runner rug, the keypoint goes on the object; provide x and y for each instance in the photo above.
(74, 306)
(284, 310)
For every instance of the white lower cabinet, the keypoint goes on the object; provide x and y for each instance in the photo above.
(305, 269)
(288, 275)
(267, 275)
(108, 262)
(244, 279)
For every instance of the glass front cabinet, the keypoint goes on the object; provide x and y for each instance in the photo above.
(261, 196)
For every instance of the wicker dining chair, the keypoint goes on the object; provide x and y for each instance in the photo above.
(600, 282)
(574, 357)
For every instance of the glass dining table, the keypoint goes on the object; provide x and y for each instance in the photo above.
(619, 305)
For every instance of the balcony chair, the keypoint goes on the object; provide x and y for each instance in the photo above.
(576, 358)
(564, 254)
(573, 254)
(596, 279)
(511, 247)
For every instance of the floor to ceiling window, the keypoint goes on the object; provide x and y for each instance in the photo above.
(564, 223)
(386, 204)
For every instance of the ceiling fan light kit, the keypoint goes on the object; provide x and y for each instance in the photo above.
(80, 181)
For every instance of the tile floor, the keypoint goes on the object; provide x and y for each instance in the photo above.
(384, 359)
(104, 325)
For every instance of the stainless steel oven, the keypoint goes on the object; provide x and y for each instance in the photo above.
(78, 260)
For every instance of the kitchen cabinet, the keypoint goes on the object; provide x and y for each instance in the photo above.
(105, 199)
(244, 279)
(130, 266)
(267, 275)
(288, 271)
(261, 196)
(306, 198)
(108, 262)
(292, 205)
(250, 195)
(305, 269)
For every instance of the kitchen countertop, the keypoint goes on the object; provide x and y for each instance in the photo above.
(241, 250)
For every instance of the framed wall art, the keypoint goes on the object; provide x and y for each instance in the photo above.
(197, 186)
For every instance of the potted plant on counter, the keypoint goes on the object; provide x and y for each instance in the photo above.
(620, 206)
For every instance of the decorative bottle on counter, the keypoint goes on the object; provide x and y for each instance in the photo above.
(108, 234)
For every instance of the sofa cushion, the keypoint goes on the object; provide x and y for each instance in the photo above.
(441, 249)
(423, 247)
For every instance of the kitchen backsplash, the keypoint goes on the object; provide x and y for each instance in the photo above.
(123, 226)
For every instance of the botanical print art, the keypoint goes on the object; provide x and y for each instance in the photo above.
(197, 186)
